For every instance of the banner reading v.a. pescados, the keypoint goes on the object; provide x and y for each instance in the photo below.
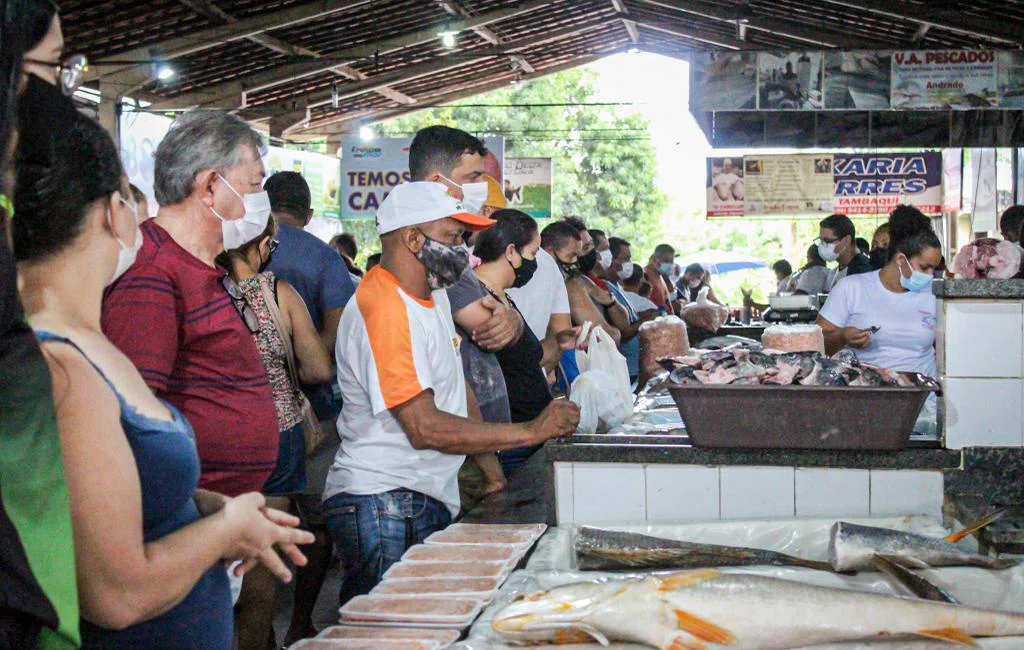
(944, 79)
(369, 170)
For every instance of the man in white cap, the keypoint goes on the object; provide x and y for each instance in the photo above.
(404, 428)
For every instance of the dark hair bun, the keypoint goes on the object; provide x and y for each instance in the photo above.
(55, 192)
(910, 231)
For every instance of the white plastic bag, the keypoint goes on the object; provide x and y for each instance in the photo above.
(602, 391)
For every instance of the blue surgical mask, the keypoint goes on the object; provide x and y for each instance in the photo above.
(918, 280)
(666, 267)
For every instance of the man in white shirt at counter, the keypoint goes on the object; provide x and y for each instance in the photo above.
(404, 428)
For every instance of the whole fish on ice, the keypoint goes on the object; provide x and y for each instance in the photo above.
(598, 549)
(852, 547)
(705, 609)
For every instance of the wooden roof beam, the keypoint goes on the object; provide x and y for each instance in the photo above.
(227, 94)
(109, 69)
(410, 73)
(701, 37)
(788, 29)
(337, 124)
(957, 22)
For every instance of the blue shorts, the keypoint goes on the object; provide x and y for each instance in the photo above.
(289, 475)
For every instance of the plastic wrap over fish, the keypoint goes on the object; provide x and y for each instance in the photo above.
(750, 367)
(551, 566)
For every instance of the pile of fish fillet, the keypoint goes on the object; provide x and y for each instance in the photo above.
(743, 366)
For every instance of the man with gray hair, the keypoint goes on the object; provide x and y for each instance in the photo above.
(181, 320)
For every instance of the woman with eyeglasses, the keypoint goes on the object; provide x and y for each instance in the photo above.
(38, 590)
(283, 330)
(150, 547)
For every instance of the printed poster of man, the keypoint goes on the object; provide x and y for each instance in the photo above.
(859, 79)
(790, 80)
(1011, 79)
(725, 187)
(724, 81)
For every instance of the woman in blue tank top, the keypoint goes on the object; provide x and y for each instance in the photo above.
(149, 547)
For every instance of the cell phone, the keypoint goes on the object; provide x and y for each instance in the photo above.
(873, 329)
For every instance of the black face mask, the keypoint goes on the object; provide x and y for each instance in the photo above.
(568, 270)
(40, 107)
(588, 262)
(879, 257)
(525, 272)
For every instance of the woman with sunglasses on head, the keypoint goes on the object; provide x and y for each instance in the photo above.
(149, 546)
(284, 333)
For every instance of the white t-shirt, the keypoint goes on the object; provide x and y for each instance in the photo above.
(391, 347)
(545, 294)
(906, 340)
(638, 302)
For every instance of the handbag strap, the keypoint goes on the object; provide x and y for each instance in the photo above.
(275, 315)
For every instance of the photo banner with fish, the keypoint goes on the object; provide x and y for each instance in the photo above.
(944, 79)
(857, 80)
(797, 185)
(370, 169)
(816, 185)
(527, 185)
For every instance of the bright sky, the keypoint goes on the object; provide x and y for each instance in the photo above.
(660, 87)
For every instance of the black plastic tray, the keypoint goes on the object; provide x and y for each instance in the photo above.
(799, 417)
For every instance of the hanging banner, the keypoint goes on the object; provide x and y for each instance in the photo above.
(322, 173)
(944, 79)
(527, 185)
(874, 184)
(789, 80)
(859, 80)
(141, 133)
(952, 179)
(725, 187)
(788, 184)
(1011, 79)
(724, 81)
(370, 169)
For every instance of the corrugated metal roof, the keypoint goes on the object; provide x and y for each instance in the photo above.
(277, 55)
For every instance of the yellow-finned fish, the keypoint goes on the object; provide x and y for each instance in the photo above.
(706, 609)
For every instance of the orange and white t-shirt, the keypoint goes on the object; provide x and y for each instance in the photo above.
(391, 347)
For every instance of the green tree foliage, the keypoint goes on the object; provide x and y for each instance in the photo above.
(605, 169)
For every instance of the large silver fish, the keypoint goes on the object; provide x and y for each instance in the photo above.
(852, 547)
(704, 609)
(598, 549)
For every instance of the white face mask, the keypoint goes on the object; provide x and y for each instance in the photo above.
(473, 195)
(604, 258)
(828, 252)
(252, 224)
(626, 272)
(125, 256)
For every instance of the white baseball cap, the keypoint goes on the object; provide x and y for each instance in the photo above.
(410, 204)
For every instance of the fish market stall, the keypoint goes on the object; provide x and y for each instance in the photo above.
(628, 609)
(651, 468)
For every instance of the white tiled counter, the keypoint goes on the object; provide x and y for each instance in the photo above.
(623, 483)
(981, 362)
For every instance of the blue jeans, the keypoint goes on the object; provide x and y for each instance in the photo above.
(372, 532)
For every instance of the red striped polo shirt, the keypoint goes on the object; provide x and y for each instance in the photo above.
(172, 317)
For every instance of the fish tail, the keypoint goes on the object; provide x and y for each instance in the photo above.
(976, 526)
